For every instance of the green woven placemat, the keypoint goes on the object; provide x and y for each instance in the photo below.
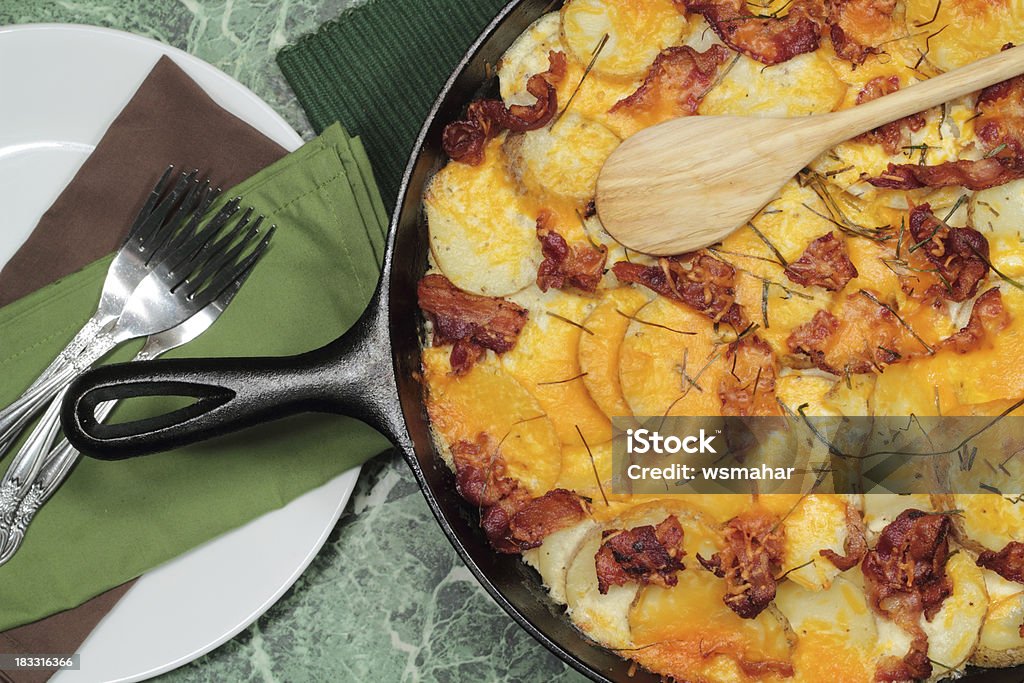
(378, 67)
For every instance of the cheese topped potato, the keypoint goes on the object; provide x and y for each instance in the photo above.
(886, 280)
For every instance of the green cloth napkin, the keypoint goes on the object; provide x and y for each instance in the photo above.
(112, 522)
(378, 68)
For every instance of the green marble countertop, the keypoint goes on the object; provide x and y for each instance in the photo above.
(387, 598)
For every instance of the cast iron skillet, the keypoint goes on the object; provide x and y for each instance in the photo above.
(370, 374)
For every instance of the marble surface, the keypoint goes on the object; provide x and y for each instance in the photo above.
(387, 599)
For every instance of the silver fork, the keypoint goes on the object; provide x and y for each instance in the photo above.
(197, 269)
(147, 239)
(57, 464)
(129, 266)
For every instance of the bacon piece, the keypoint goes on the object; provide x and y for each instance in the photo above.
(974, 175)
(824, 263)
(675, 84)
(1008, 562)
(905, 577)
(868, 338)
(644, 554)
(1001, 117)
(510, 518)
(469, 321)
(754, 546)
(960, 255)
(698, 280)
(545, 515)
(855, 546)
(857, 26)
(890, 135)
(999, 126)
(769, 40)
(749, 387)
(464, 140)
(580, 267)
(480, 472)
(988, 317)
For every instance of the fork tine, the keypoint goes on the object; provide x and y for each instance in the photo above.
(219, 258)
(181, 259)
(223, 280)
(163, 208)
(189, 230)
(212, 241)
(188, 204)
(147, 208)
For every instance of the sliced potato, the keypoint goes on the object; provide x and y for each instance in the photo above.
(605, 618)
(806, 84)
(546, 362)
(998, 213)
(1000, 643)
(835, 629)
(483, 232)
(527, 56)
(662, 338)
(552, 558)
(562, 159)
(637, 32)
(953, 632)
(818, 522)
(490, 400)
(978, 28)
(599, 350)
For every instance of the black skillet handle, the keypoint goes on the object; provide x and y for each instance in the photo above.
(353, 375)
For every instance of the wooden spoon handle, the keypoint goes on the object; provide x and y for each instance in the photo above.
(930, 93)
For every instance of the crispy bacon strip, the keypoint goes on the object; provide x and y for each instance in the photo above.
(870, 338)
(988, 318)
(855, 546)
(469, 321)
(769, 40)
(540, 517)
(974, 175)
(510, 518)
(825, 263)
(580, 267)
(905, 577)
(644, 554)
(890, 136)
(1008, 562)
(754, 547)
(464, 140)
(857, 26)
(698, 280)
(675, 84)
(749, 387)
(1000, 127)
(958, 254)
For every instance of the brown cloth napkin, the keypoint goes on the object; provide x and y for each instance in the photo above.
(169, 120)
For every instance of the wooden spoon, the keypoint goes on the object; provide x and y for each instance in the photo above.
(689, 182)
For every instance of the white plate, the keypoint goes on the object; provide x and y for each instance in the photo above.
(69, 84)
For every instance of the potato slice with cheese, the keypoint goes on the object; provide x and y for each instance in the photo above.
(835, 629)
(636, 32)
(599, 350)
(806, 84)
(816, 523)
(490, 400)
(546, 362)
(562, 159)
(669, 363)
(1000, 643)
(483, 232)
(528, 56)
(953, 632)
(953, 34)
